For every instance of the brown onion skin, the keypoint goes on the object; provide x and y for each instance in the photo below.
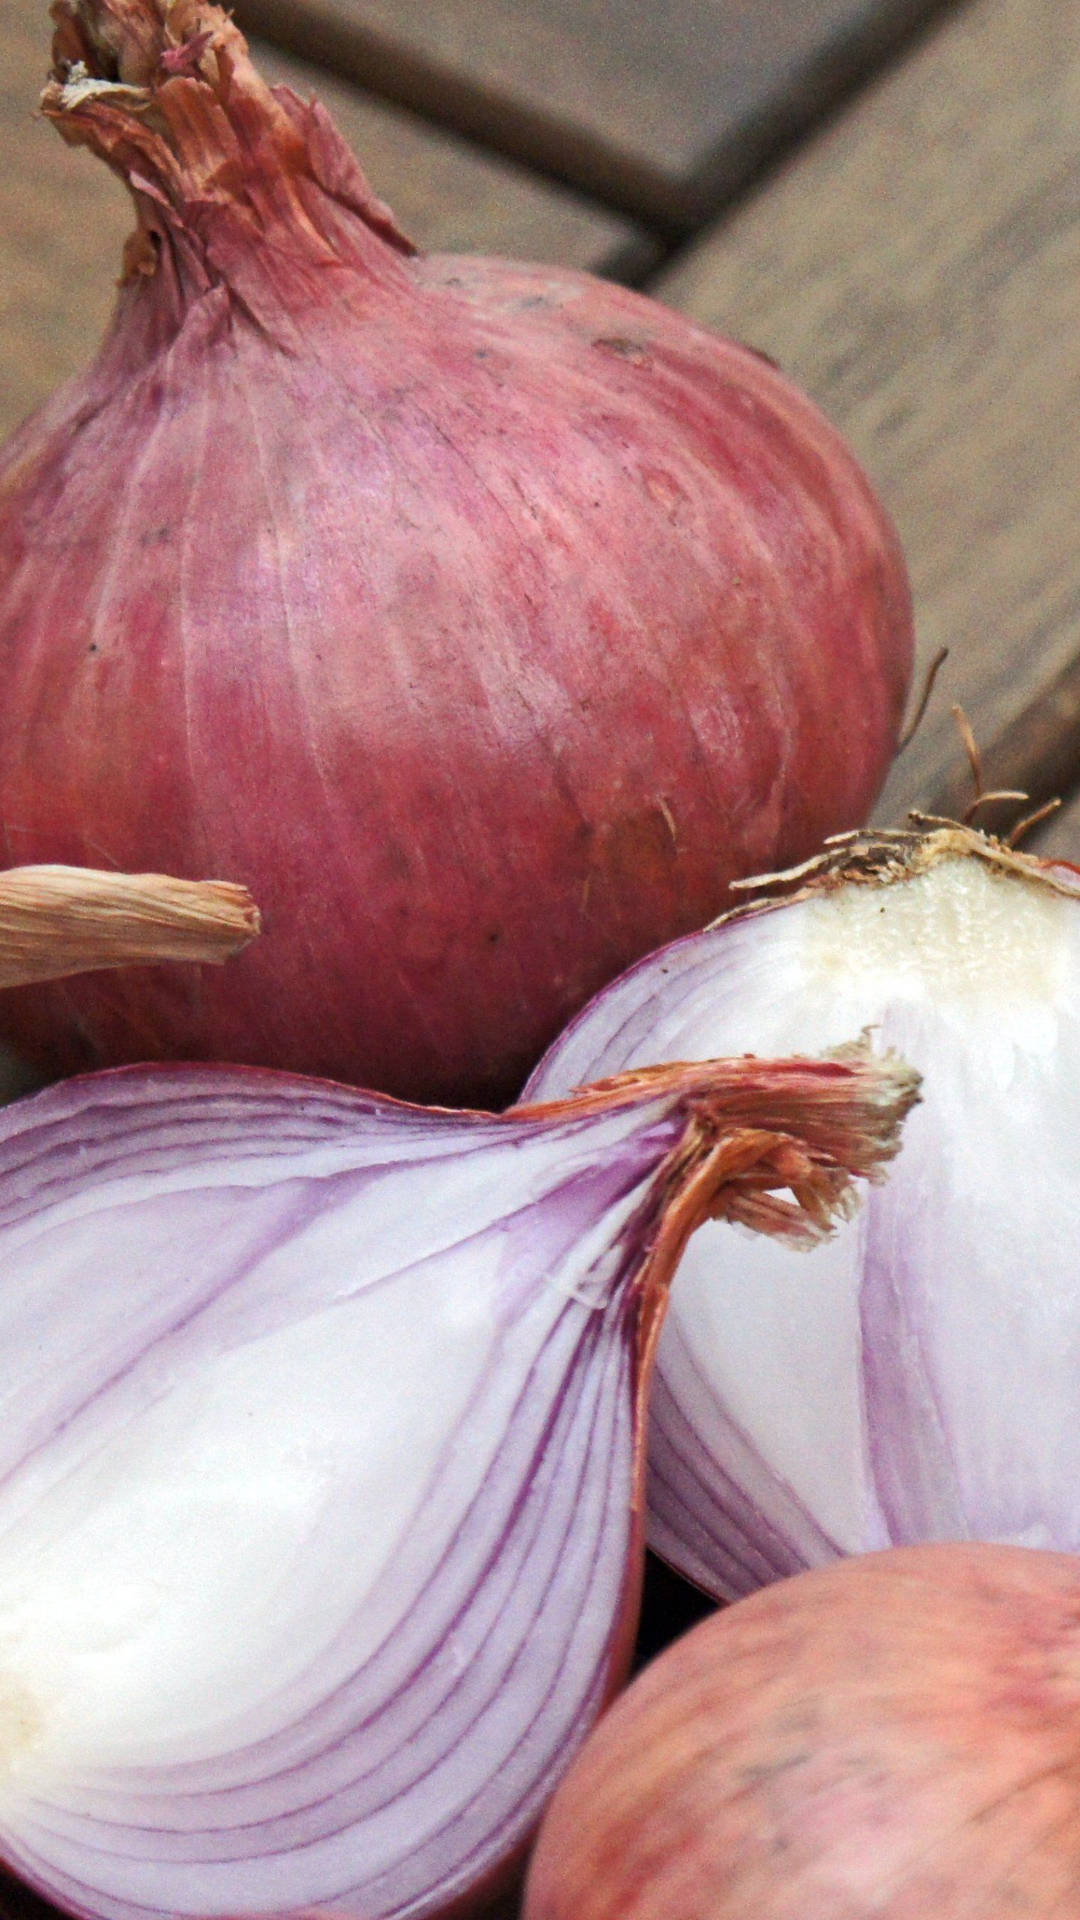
(484, 620)
(896, 1736)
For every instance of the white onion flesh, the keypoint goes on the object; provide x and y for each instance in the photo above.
(916, 1378)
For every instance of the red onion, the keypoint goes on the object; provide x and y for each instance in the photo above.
(56, 921)
(922, 1381)
(320, 1433)
(892, 1738)
(484, 619)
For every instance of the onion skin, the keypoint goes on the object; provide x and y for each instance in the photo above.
(485, 620)
(894, 1736)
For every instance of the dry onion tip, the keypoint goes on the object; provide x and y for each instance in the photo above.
(924, 1384)
(56, 921)
(486, 620)
(321, 1426)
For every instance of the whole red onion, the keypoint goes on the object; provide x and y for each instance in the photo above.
(485, 620)
(893, 1737)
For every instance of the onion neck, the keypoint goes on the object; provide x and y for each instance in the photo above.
(774, 1145)
(235, 184)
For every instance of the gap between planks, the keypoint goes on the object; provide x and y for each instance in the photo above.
(662, 109)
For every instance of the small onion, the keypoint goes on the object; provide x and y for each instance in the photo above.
(320, 1450)
(923, 1380)
(891, 1738)
(485, 620)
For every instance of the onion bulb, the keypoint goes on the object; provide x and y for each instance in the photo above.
(485, 620)
(922, 1380)
(320, 1427)
(890, 1738)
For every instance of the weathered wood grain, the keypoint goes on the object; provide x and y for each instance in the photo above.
(663, 107)
(917, 268)
(63, 218)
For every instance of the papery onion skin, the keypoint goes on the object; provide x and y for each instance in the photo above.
(321, 1454)
(484, 619)
(891, 1738)
(917, 1378)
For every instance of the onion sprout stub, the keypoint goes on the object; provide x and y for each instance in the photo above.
(485, 620)
(893, 1737)
(320, 1419)
(924, 1384)
(56, 921)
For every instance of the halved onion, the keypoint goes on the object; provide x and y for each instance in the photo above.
(320, 1458)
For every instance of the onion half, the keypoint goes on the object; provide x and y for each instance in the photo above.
(320, 1457)
(485, 620)
(919, 1381)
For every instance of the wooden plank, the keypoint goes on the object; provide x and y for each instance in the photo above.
(661, 107)
(63, 222)
(63, 218)
(453, 197)
(917, 268)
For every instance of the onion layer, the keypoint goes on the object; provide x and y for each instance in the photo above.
(921, 1381)
(320, 1450)
(893, 1738)
(485, 620)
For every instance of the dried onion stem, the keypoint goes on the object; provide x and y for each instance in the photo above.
(57, 920)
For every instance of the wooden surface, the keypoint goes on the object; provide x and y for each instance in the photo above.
(663, 107)
(917, 268)
(452, 196)
(64, 218)
(62, 224)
